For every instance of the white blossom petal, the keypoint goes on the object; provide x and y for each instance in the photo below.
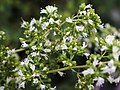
(88, 71)
(69, 20)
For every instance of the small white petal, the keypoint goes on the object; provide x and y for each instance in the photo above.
(50, 9)
(53, 88)
(22, 85)
(110, 79)
(100, 81)
(35, 81)
(32, 67)
(24, 45)
(84, 45)
(8, 79)
(117, 80)
(33, 54)
(90, 21)
(20, 73)
(2, 87)
(103, 48)
(95, 63)
(69, 20)
(61, 73)
(63, 46)
(79, 28)
(43, 11)
(42, 87)
(45, 25)
(88, 6)
(88, 71)
(47, 50)
(109, 39)
(33, 47)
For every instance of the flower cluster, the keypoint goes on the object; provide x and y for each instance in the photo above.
(51, 45)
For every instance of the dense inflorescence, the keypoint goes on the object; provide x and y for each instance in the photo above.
(51, 45)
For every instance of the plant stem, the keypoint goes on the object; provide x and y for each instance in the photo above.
(19, 50)
(66, 68)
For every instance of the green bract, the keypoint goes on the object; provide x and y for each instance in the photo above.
(52, 45)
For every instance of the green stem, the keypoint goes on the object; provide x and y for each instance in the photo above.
(19, 50)
(66, 68)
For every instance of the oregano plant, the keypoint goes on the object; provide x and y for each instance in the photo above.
(51, 45)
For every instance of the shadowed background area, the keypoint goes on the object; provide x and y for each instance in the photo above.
(13, 11)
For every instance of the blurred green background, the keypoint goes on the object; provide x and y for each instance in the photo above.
(12, 12)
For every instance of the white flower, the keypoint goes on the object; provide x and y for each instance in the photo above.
(45, 25)
(101, 26)
(48, 43)
(22, 85)
(90, 87)
(61, 73)
(8, 79)
(36, 30)
(36, 75)
(69, 20)
(84, 34)
(33, 54)
(33, 47)
(95, 62)
(109, 39)
(57, 47)
(50, 9)
(83, 12)
(47, 50)
(63, 46)
(35, 81)
(20, 73)
(88, 6)
(54, 33)
(88, 71)
(31, 28)
(51, 20)
(116, 52)
(68, 39)
(45, 56)
(11, 51)
(24, 45)
(33, 21)
(40, 19)
(42, 87)
(32, 67)
(45, 68)
(79, 28)
(84, 45)
(116, 56)
(43, 11)
(2, 87)
(110, 79)
(96, 39)
(87, 55)
(27, 60)
(115, 49)
(103, 48)
(117, 80)
(100, 81)
(90, 21)
(94, 30)
(53, 88)
(110, 68)
(75, 48)
(23, 24)
(58, 22)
